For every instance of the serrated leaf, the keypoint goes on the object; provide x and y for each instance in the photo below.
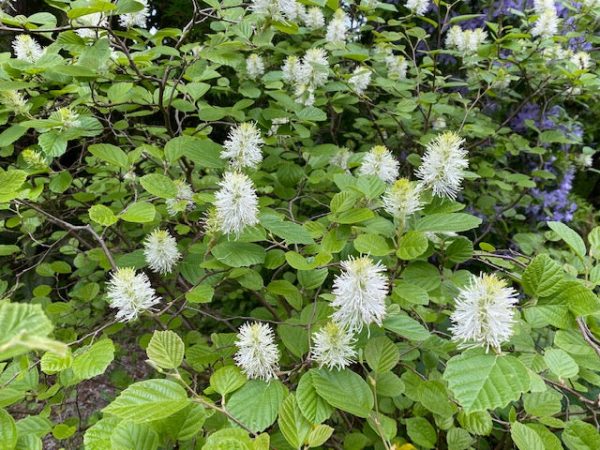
(444, 223)
(102, 215)
(148, 400)
(227, 379)
(421, 432)
(381, 354)
(22, 328)
(291, 232)
(239, 254)
(407, 327)
(139, 212)
(412, 245)
(8, 431)
(481, 381)
(561, 363)
(542, 277)
(166, 349)
(334, 386)
(52, 363)
(159, 185)
(319, 435)
(97, 437)
(572, 239)
(293, 425)
(579, 435)
(138, 436)
(525, 438)
(434, 396)
(257, 403)
(314, 408)
(111, 154)
(94, 360)
(371, 244)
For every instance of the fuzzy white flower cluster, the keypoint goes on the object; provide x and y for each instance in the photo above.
(581, 60)
(466, 42)
(136, 19)
(27, 48)
(257, 355)
(313, 18)
(402, 199)
(67, 119)
(306, 75)
(546, 24)
(236, 203)
(337, 29)
(161, 252)
(281, 10)
(442, 168)
(419, 7)
(183, 201)
(380, 162)
(341, 159)
(360, 292)
(484, 313)
(255, 66)
(90, 20)
(16, 100)
(396, 66)
(131, 293)
(243, 146)
(360, 79)
(333, 347)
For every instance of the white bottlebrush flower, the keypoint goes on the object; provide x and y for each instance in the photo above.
(396, 66)
(278, 9)
(236, 203)
(333, 347)
(255, 66)
(15, 100)
(183, 201)
(541, 5)
(341, 158)
(337, 28)
(136, 19)
(243, 146)
(160, 250)
(484, 313)
(360, 79)
(360, 292)
(581, 60)
(313, 18)
(402, 199)
(67, 118)
(381, 163)
(257, 355)
(291, 68)
(443, 165)
(311, 74)
(591, 3)
(546, 24)
(439, 124)
(27, 48)
(465, 41)
(90, 20)
(130, 293)
(419, 7)
(291, 9)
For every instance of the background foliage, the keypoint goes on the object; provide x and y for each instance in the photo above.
(154, 108)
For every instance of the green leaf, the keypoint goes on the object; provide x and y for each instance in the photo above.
(166, 349)
(159, 185)
(572, 239)
(138, 436)
(148, 400)
(11, 181)
(355, 215)
(579, 435)
(406, 327)
(372, 244)
(579, 299)
(444, 223)
(139, 212)
(541, 404)
(310, 113)
(256, 404)
(434, 396)
(542, 277)
(111, 154)
(288, 291)
(204, 153)
(481, 381)
(293, 425)
(412, 245)
(6, 250)
(319, 435)
(525, 438)
(314, 408)
(203, 293)
(186, 423)
(239, 254)
(381, 354)
(53, 144)
(97, 437)
(8, 431)
(421, 432)
(52, 363)
(102, 215)
(291, 232)
(227, 379)
(561, 363)
(21, 327)
(94, 360)
(334, 387)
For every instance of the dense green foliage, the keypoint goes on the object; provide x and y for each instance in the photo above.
(104, 127)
